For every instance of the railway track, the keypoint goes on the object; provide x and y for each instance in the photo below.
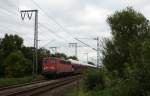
(38, 88)
(19, 85)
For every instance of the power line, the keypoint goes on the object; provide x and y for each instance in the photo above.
(50, 30)
(10, 7)
(48, 17)
(86, 44)
(75, 46)
(52, 18)
(58, 25)
(11, 13)
(48, 43)
(44, 35)
(66, 31)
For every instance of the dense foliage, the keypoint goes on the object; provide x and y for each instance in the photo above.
(95, 79)
(15, 65)
(16, 59)
(72, 57)
(125, 56)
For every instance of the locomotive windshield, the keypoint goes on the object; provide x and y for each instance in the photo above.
(45, 61)
(65, 62)
(52, 61)
(49, 61)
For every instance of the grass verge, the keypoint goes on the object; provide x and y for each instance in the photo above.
(13, 81)
(76, 90)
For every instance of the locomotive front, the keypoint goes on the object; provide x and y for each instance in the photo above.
(49, 66)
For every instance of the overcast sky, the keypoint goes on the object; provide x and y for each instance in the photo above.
(62, 20)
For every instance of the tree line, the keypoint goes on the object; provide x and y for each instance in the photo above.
(16, 58)
(126, 58)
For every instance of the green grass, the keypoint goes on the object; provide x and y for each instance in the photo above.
(12, 81)
(73, 91)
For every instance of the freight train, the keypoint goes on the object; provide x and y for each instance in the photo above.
(55, 66)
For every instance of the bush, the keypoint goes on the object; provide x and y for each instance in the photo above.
(16, 65)
(95, 79)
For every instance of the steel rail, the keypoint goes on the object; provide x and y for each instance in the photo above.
(39, 89)
(19, 85)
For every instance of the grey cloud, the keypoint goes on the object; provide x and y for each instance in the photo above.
(83, 18)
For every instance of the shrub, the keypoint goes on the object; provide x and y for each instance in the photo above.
(95, 79)
(16, 65)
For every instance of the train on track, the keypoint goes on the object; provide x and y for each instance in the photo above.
(54, 66)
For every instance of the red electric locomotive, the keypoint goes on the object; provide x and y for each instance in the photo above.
(54, 66)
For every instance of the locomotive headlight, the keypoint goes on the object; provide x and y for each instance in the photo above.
(52, 68)
(45, 67)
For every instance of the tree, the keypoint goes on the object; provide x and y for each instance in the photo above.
(131, 33)
(28, 52)
(89, 62)
(59, 55)
(16, 65)
(1, 62)
(13, 53)
(8, 44)
(72, 57)
(11, 43)
(127, 53)
(1, 59)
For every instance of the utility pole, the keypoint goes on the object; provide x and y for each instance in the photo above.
(35, 53)
(92, 59)
(87, 56)
(98, 51)
(76, 50)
